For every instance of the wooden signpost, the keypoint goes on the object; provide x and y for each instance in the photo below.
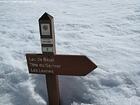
(51, 64)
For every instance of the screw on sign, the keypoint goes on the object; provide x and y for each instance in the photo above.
(51, 64)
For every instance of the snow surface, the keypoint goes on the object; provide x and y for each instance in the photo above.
(107, 31)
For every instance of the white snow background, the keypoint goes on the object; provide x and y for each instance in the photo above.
(107, 31)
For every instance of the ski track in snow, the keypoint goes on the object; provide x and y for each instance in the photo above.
(107, 31)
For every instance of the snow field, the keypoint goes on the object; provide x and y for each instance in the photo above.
(107, 31)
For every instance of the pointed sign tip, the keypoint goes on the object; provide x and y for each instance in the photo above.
(45, 16)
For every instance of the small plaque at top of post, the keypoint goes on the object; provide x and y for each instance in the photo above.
(46, 26)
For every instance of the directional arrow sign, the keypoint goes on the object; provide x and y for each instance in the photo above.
(59, 64)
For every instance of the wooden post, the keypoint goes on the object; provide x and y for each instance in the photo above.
(53, 89)
(46, 25)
